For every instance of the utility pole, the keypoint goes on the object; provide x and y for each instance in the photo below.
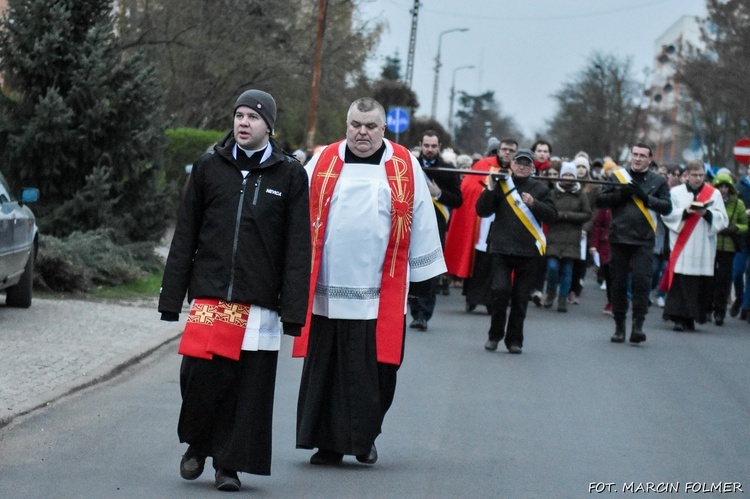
(322, 6)
(437, 68)
(412, 43)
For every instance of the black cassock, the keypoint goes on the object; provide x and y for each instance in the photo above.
(345, 392)
(227, 409)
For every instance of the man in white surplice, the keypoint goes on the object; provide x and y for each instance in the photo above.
(347, 381)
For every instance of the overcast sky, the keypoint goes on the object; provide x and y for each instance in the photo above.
(522, 49)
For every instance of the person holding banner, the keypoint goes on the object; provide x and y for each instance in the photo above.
(520, 204)
(698, 215)
(635, 203)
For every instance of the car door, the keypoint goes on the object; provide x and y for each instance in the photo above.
(13, 247)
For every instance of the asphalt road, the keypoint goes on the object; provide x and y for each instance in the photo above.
(569, 416)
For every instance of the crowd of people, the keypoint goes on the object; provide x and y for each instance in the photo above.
(335, 250)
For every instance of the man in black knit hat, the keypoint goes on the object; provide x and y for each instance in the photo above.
(241, 252)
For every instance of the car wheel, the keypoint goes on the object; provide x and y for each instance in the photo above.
(20, 294)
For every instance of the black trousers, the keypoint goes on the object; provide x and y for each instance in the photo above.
(629, 259)
(513, 279)
(723, 265)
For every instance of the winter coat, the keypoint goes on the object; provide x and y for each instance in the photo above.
(730, 238)
(599, 237)
(629, 224)
(573, 211)
(508, 235)
(244, 240)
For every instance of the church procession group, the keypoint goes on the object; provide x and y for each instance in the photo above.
(337, 251)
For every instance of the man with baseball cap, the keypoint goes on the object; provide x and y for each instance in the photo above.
(516, 243)
(241, 252)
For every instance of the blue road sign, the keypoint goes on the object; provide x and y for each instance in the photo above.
(397, 119)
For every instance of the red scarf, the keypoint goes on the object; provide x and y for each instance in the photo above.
(541, 165)
(390, 322)
(214, 327)
(682, 238)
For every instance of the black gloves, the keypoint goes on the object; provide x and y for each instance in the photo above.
(170, 316)
(638, 192)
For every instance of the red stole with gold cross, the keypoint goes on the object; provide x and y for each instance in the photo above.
(214, 327)
(390, 322)
(682, 238)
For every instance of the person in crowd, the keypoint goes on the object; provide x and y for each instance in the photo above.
(445, 189)
(741, 264)
(641, 195)
(599, 250)
(581, 163)
(564, 235)
(727, 244)
(374, 230)
(542, 151)
(520, 204)
(301, 156)
(697, 216)
(466, 241)
(241, 252)
(597, 165)
(607, 168)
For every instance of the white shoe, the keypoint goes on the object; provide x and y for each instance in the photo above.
(604, 285)
(660, 302)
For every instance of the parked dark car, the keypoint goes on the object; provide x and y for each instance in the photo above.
(19, 239)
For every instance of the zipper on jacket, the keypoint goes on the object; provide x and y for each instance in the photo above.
(236, 237)
(257, 188)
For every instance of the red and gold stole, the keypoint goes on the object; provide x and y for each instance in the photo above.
(682, 238)
(214, 327)
(390, 323)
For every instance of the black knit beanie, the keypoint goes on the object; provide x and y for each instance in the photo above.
(261, 102)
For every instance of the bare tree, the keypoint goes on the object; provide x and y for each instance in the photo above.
(717, 80)
(597, 108)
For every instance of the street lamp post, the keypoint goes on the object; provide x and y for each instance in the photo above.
(437, 67)
(453, 96)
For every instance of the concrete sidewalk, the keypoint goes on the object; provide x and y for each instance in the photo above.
(57, 347)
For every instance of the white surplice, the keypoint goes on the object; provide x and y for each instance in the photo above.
(697, 258)
(357, 235)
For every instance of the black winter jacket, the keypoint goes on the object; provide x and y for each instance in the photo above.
(508, 236)
(242, 240)
(450, 186)
(629, 224)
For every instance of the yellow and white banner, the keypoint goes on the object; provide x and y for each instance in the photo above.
(524, 213)
(624, 177)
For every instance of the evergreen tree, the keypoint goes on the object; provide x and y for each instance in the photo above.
(80, 111)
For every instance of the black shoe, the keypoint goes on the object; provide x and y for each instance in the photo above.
(191, 464)
(679, 327)
(419, 324)
(514, 348)
(735, 308)
(326, 457)
(369, 458)
(469, 307)
(491, 345)
(690, 325)
(618, 337)
(227, 480)
(718, 319)
(743, 314)
(637, 337)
